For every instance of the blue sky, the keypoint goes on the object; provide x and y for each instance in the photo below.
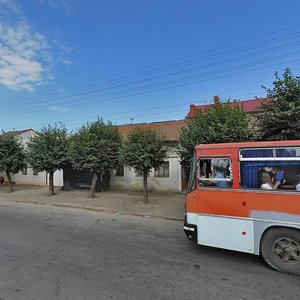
(137, 61)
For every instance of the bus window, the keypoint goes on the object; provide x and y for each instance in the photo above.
(215, 172)
(270, 152)
(281, 164)
(192, 178)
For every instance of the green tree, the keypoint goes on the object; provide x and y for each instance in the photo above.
(221, 123)
(48, 151)
(95, 148)
(279, 118)
(143, 150)
(12, 157)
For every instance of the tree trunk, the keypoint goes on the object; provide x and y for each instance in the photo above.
(51, 185)
(10, 183)
(92, 191)
(101, 180)
(146, 200)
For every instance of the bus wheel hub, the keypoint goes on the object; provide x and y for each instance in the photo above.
(287, 250)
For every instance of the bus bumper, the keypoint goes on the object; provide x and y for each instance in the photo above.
(190, 231)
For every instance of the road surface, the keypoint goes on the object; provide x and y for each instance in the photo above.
(56, 253)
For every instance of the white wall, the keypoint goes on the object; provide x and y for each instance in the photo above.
(40, 179)
(131, 181)
(29, 178)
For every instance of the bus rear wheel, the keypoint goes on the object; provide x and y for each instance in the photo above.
(280, 248)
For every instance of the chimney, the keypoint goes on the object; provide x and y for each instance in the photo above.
(191, 113)
(216, 100)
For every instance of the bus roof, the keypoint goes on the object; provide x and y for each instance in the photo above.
(249, 144)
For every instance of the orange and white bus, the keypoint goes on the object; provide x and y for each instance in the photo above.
(246, 197)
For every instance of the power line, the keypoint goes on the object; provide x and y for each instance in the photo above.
(196, 102)
(269, 50)
(201, 59)
(172, 83)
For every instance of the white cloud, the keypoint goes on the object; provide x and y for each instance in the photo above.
(57, 108)
(67, 61)
(22, 51)
(62, 51)
(12, 7)
(58, 4)
(26, 57)
(59, 45)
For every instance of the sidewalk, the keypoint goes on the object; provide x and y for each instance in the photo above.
(162, 204)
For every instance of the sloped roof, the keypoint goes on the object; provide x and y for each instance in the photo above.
(19, 132)
(169, 128)
(248, 106)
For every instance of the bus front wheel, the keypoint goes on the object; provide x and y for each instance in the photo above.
(280, 248)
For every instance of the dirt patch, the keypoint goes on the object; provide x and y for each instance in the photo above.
(169, 205)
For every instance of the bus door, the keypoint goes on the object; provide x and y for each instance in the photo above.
(215, 226)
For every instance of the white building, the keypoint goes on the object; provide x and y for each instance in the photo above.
(168, 178)
(27, 175)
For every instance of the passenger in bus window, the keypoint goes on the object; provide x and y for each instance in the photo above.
(267, 183)
(298, 182)
(279, 176)
(219, 167)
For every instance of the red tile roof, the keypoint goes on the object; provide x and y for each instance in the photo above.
(18, 132)
(248, 106)
(169, 128)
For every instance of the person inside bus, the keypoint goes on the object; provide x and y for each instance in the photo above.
(267, 183)
(219, 167)
(297, 182)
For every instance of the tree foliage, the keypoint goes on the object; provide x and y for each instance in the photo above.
(95, 148)
(12, 157)
(48, 151)
(280, 118)
(143, 150)
(221, 123)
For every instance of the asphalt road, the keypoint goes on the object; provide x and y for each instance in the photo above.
(55, 253)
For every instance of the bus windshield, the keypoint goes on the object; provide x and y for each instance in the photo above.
(192, 178)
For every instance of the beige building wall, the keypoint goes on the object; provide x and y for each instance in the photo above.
(130, 180)
(28, 176)
(41, 178)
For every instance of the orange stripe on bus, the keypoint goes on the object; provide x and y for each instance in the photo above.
(240, 203)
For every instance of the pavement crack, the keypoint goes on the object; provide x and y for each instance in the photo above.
(57, 287)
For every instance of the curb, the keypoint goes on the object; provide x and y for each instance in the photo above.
(96, 209)
(114, 211)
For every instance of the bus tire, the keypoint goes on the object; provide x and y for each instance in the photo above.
(280, 248)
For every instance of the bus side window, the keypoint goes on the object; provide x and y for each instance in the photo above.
(284, 173)
(215, 172)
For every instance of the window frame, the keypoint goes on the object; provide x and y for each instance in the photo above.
(140, 174)
(212, 179)
(118, 172)
(271, 159)
(25, 170)
(162, 168)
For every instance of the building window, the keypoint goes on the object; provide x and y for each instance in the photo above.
(163, 170)
(215, 172)
(24, 170)
(141, 174)
(120, 171)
